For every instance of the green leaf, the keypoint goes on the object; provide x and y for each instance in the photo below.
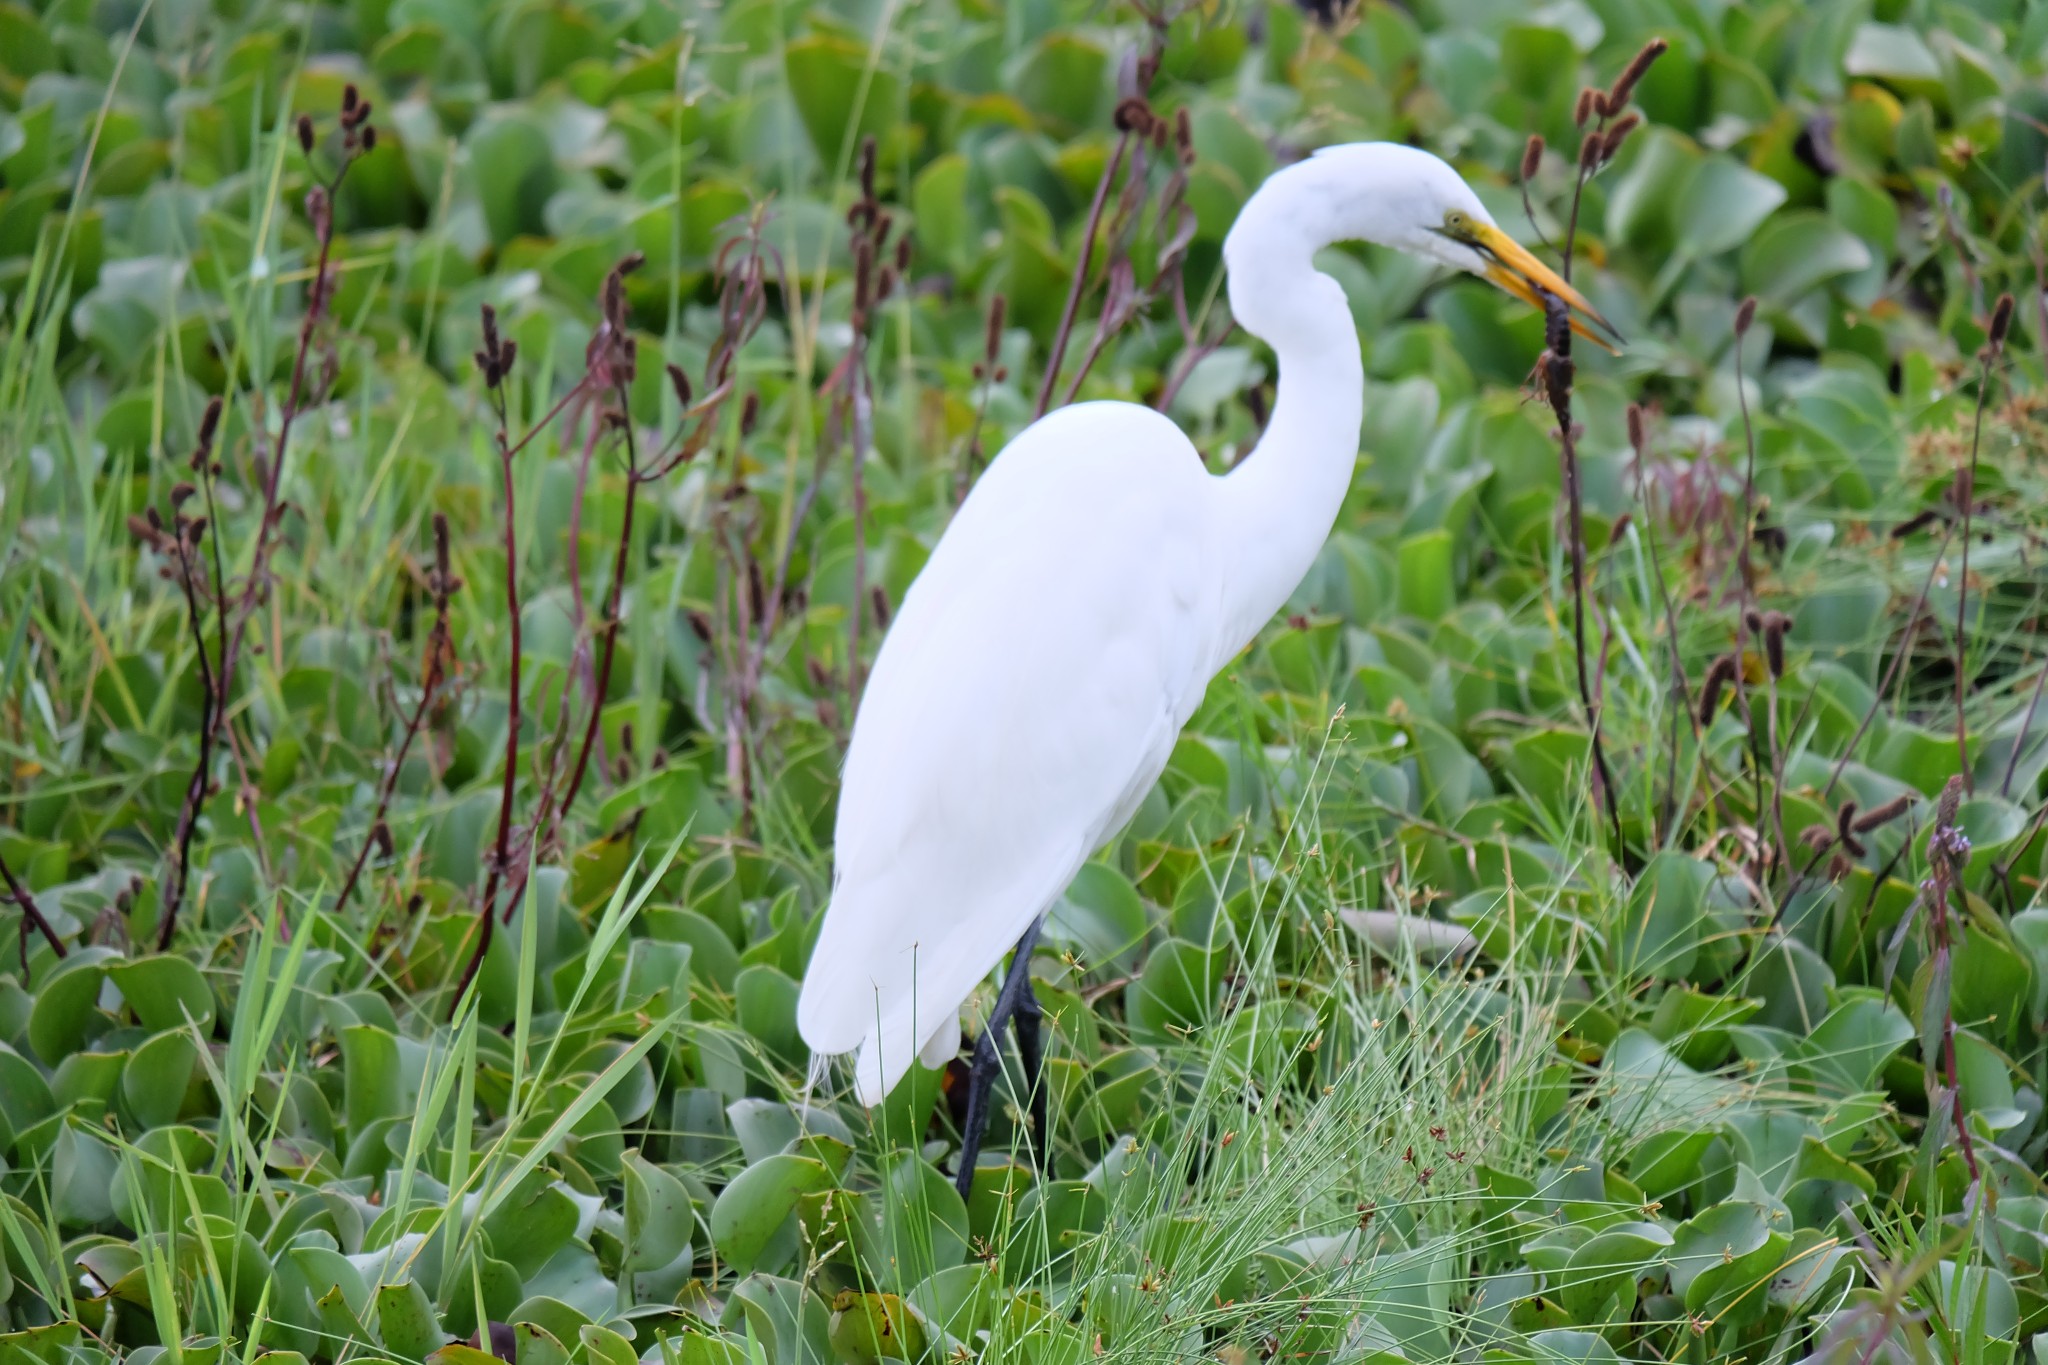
(759, 1201)
(1722, 204)
(1666, 914)
(66, 1012)
(406, 1324)
(659, 1215)
(165, 992)
(842, 92)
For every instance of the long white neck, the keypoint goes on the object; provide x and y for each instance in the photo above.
(1276, 508)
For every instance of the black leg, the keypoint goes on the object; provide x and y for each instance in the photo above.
(1025, 1024)
(987, 1063)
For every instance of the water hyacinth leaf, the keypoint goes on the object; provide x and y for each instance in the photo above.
(65, 1013)
(406, 1323)
(659, 1215)
(872, 1327)
(166, 993)
(1722, 205)
(759, 1203)
(1665, 917)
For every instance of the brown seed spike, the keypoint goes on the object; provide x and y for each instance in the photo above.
(209, 423)
(370, 139)
(306, 134)
(1619, 134)
(1584, 109)
(1776, 624)
(996, 308)
(1133, 115)
(750, 413)
(349, 96)
(1719, 675)
(508, 352)
(1625, 86)
(2001, 323)
(1951, 801)
(441, 544)
(1635, 428)
(1884, 814)
(680, 382)
(1745, 315)
(1532, 157)
(1589, 151)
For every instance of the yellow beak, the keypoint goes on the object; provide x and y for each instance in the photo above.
(1514, 269)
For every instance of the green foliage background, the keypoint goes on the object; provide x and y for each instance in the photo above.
(1684, 1091)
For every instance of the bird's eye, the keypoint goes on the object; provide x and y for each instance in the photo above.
(1456, 221)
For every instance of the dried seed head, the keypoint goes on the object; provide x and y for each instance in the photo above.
(1625, 85)
(1583, 110)
(1754, 619)
(680, 382)
(1776, 625)
(1816, 837)
(1884, 814)
(441, 545)
(306, 134)
(903, 255)
(140, 528)
(1618, 134)
(180, 491)
(2001, 323)
(1745, 315)
(750, 413)
(490, 318)
(508, 352)
(209, 423)
(370, 138)
(1845, 829)
(993, 344)
(1589, 151)
(1133, 115)
(380, 837)
(1719, 674)
(1184, 136)
(1951, 801)
(1532, 157)
(349, 97)
(1635, 427)
(1917, 522)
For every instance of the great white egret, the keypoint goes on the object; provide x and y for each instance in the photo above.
(1070, 618)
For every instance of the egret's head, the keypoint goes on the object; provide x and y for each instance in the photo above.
(1466, 238)
(1405, 198)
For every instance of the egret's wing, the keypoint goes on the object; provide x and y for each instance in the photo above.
(1022, 704)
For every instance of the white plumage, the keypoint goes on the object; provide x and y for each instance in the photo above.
(1064, 629)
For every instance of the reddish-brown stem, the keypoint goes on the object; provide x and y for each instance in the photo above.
(234, 632)
(430, 685)
(1891, 670)
(31, 914)
(1967, 487)
(1068, 311)
(2019, 743)
(501, 856)
(212, 699)
(611, 608)
(1557, 385)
